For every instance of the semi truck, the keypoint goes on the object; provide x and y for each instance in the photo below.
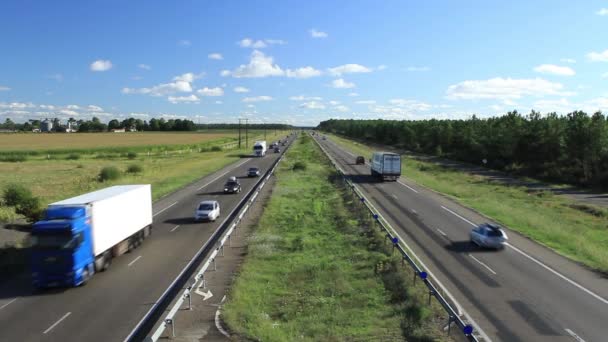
(386, 165)
(79, 236)
(259, 148)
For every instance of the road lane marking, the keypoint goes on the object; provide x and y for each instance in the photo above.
(59, 321)
(218, 323)
(572, 282)
(174, 228)
(574, 335)
(482, 264)
(414, 211)
(5, 305)
(218, 177)
(460, 217)
(441, 232)
(407, 186)
(165, 209)
(132, 262)
(395, 196)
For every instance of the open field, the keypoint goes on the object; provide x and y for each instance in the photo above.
(42, 143)
(314, 272)
(548, 219)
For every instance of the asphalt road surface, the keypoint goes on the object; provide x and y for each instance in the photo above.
(113, 302)
(522, 293)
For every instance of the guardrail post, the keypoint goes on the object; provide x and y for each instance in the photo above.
(189, 301)
(203, 282)
(450, 319)
(222, 250)
(169, 321)
(230, 239)
(431, 293)
(214, 265)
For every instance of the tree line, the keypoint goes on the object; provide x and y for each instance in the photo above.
(568, 148)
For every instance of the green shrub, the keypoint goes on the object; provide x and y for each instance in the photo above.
(30, 208)
(135, 168)
(13, 158)
(131, 155)
(73, 156)
(15, 194)
(80, 166)
(299, 165)
(216, 149)
(109, 173)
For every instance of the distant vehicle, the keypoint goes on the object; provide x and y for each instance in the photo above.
(232, 186)
(360, 160)
(284, 143)
(207, 211)
(277, 149)
(324, 138)
(386, 165)
(488, 235)
(79, 236)
(253, 172)
(273, 145)
(259, 148)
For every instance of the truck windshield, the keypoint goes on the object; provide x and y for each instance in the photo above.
(55, 241)
(259, 147)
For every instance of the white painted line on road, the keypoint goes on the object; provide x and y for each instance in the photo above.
(574, 335)
(218, 324)
(482, 264)
(218, 177)
(584, 289)
(413, 211)
(174, 228)
(5, 305)
(460, 217)
(59, 321)
(132, 262)
(407, 186)
(395, 196)
(165, 209)
(441, 232)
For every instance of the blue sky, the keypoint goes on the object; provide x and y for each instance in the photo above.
(300, 62)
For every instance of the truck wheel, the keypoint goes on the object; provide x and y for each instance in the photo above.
(85, 276)
(107, 261)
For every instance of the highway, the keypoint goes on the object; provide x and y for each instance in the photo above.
(525, 292)
(113, 302)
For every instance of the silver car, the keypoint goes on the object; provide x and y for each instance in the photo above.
(488, 235)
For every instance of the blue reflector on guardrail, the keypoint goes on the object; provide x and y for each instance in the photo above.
(362, 199)
(468, 329)
(375, 216)
(395, 240)
(423, 275)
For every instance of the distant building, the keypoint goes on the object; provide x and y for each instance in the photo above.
(46, 125)
(118, 130)
(36, 130)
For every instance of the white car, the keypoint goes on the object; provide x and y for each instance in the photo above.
(207, 211)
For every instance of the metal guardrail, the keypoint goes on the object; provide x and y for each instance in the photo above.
(220, 236)
(453, 315)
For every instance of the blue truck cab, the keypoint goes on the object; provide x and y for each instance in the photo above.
(62, 248)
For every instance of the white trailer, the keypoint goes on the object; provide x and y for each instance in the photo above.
(386, 165)
(259, 148)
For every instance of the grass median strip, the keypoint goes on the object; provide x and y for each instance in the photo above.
(315, 271)
(577, 232)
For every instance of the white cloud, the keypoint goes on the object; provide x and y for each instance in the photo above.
(598, 56)
(342, 108)
(259, 44)
(184, 42)
(72, 107)
(348, 69)
(217, 91)
(334, 103)
(305, 98)
(144, 66)
(504, 88)
(68, 112)
(180, 84)
(602, 11)
(218, 102)
(275, 42)
(258, 98)
(183, 99)
(381, 67)
(259, 65)
(101, 65)
(312, 105)
(225, 73)
(187, 77)
(16, 105)
(240, 90)
(4, 88)
(555, 70)
(317, 34)
(340, 83)
(305, 72)
(353, 94)
(605, 75)
(93, 108)
(216, 56)
(57, 77)
(417, 68)
(410, 105)
(368, 102)
(568, 60)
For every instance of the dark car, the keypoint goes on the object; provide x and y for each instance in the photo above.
(277, 150)
(253, 172)
(232, 187)
(360, 160)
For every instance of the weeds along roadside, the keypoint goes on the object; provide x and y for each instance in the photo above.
(317, 270)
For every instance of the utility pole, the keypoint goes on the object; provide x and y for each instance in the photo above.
(239, 133)
(246, 134)
(264, 130)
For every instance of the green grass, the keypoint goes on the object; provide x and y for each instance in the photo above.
(579, 233)
(312, 272)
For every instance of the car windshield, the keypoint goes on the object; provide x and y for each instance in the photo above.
(493, 232)
(232, 184)
(205, 206)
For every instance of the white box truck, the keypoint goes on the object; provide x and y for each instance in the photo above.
(259, 148)
(386, 165)
(79, 236)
